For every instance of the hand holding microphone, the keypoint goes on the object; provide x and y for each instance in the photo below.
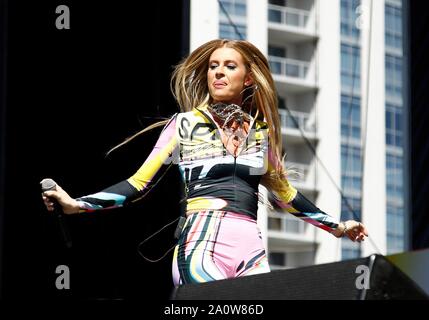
(53, 195)
(59, 202)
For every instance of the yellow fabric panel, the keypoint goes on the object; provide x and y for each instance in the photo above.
(150, 167)
(287, 194)
(205, 203)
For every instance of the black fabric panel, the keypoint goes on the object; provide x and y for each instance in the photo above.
(302, 204)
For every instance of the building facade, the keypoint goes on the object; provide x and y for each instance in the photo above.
(337, 68)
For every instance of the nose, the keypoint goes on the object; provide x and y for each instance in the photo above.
(219, 73)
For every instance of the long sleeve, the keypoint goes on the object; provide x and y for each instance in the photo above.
(141, 182)
(286, 198)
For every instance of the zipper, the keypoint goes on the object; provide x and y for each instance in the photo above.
(186, 182)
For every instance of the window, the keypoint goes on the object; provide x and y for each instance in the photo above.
(227, 31)
(276, 14)
(350, 116)
(393, 76)
(277, 258)
(275, 223)
(395, 220)
(351, 159)
(394, 125)
(351, 176)
(276, 51)
(282, 103)
(237, 12)
(276, 64)
(393, 26)
(351, 208)
(290, 259)
(234, 7)
(350, 68)
(394, 177)
(395, 244)
(349, 253)
(394, 129)
(278, 2)
(395, 228)
(349, 17)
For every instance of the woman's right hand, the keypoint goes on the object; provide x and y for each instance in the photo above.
(68, 204)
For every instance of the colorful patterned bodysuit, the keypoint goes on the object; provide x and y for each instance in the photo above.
(220, 238)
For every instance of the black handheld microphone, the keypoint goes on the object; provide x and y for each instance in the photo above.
(48, 185)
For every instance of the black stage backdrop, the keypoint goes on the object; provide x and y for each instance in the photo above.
(69, 96)
(419, 117)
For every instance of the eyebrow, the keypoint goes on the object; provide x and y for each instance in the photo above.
(226, 61)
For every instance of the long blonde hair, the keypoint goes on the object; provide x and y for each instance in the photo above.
(190, 88)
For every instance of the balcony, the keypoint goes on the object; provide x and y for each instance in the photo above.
(293, 122)
(283, 227)
(301, 176)
(281, 258)
(292, 75)
(289, 67)
(296, 120)
(296, 25)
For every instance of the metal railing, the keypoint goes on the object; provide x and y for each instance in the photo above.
(285, 223)
(298, 171)
(289, 67)
(294, 118)
(288, 16)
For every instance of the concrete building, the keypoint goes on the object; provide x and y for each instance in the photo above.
(337, 65)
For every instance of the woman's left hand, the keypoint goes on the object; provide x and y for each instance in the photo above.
(355, 230)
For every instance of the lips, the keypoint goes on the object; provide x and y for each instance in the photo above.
(219, 84)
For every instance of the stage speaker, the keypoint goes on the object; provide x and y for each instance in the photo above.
(370, 278)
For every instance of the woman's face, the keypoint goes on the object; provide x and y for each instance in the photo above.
(227, 76)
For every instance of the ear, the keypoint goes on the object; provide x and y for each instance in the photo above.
(248, 80)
